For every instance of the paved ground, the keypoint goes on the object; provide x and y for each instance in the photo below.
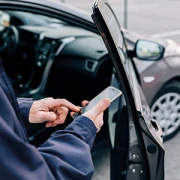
(172, 159)
(160, 19)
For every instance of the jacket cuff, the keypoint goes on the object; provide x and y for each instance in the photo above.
(25, 105)
(84, 128)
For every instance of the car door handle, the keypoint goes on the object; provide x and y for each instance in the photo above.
(157, 127)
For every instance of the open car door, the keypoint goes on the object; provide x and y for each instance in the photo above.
(137, 151)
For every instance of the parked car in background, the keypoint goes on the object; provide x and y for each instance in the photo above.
(50, 49)
(160, 80)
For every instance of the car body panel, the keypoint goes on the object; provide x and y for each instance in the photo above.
(155, 74)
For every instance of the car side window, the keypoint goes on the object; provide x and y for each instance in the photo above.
(115, 30)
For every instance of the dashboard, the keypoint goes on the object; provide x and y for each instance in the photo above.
(56, 60)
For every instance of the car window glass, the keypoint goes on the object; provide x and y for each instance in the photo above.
(115, 30)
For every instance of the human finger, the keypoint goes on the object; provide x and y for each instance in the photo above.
(62, 113)
(54, 103)
(85, 102)
(72, 112)
(46, 116)
(99, 107)
(50, 124)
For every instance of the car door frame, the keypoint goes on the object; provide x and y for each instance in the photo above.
(146, 141)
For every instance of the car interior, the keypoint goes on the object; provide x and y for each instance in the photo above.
(47, 57)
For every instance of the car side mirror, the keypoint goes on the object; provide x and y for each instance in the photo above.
(148, 50)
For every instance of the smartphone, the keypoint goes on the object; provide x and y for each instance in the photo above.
(110, 92)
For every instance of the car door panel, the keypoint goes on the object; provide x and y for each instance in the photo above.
(139, 159)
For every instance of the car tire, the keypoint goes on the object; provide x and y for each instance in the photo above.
(165, 109)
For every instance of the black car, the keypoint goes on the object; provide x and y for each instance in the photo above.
(50, 49)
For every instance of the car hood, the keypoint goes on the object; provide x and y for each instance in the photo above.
(171, 47)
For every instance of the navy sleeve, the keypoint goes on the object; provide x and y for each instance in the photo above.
(25, 105)
(64, 156)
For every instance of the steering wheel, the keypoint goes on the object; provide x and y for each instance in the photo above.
(9, 38)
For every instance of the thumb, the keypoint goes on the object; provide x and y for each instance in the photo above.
(100, 107)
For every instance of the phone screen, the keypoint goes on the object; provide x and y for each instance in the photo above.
(110, 92)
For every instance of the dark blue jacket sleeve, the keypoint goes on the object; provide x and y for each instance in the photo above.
(64, 156)
(25, 105)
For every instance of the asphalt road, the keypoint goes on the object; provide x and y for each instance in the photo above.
(159, 19)
(172, 160)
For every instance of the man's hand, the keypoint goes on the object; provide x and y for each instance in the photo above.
(52, 111)
(96, 113)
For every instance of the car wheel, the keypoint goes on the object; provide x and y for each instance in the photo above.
(166, 109)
